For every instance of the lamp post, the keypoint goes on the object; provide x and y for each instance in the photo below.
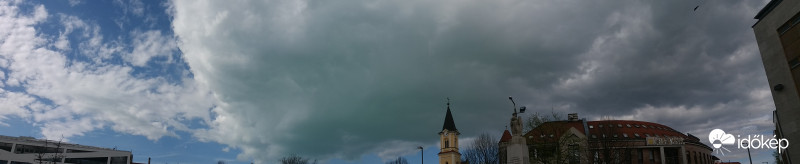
(748, 152)
(421, 154)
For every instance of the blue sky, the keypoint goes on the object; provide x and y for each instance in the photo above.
(366, 81)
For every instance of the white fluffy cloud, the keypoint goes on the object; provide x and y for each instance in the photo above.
(68, 96)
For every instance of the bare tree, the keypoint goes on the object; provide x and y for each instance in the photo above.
(49, 155)
(295, 159)
(399, 160)
(483, 150)
(611, 145)
(537, 119)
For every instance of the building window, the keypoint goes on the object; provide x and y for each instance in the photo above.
(90, 160)
(574, 154)
(6, 147)
(652, 155)
(119, 160)
(615, 136)
(794, 63)
(629, 125)
(641, 156)
(636, 134)
(594, 136)
(637, 126)
(688, 156)
(446, 143)
(625, 135)
(591, 127)
(789, 24)
(619, 125)
(30, 149)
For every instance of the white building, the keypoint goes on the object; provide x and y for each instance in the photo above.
(28, 150)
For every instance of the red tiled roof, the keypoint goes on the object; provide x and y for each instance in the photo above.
(506, 136)
(558, 127)
(631, 128)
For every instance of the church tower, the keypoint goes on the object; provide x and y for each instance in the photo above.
(448, 153)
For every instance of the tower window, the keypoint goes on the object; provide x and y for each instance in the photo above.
(446, 143)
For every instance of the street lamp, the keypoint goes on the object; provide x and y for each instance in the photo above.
(748, 151)
(421, 154)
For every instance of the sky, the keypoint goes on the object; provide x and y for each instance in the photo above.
(366, 81)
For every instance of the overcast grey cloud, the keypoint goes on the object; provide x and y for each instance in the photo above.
(339, 79)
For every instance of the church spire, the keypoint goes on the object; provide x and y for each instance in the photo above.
(449, 124)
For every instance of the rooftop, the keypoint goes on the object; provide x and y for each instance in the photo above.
(42, 141)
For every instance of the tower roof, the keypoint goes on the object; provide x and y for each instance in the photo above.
(506, 136)
(448, 120)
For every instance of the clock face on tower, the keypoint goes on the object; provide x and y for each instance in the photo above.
(445, 134)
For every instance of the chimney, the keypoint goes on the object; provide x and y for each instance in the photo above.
(572, 117)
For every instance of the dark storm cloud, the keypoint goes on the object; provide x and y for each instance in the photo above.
(345, 78)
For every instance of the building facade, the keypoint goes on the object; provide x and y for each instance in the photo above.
(613, 141)
(778, 36)
(28, 150)
(448, 137)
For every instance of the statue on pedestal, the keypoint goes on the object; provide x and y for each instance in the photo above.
(517, 150)
(516, 125)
